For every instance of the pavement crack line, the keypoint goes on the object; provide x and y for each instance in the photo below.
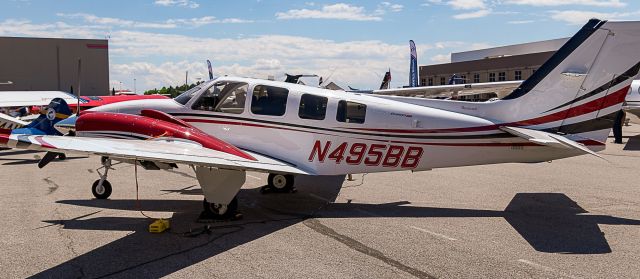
(69, 244)
(318, 227)
(53, 186)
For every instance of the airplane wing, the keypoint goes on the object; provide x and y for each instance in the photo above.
(32, 98)
(8, 122)
(159, 150)
(548, 139)
(435, 90)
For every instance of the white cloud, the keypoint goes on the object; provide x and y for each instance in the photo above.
(90, 18)
(574, 17)
(441, 58)
(390, 6)
(169, 23)
(476, 14)
(17, 27)
(479, 5)
(597, 3)
(340, 11)
(467, 4)
(179, 3)
(154, 63)
(431, 2)
(206, 20)
(520, 21)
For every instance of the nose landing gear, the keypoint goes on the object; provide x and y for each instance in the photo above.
(101, 188)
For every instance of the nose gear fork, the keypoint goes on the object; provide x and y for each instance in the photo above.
(101, 188)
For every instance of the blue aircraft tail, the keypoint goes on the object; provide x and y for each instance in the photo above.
(57, 110)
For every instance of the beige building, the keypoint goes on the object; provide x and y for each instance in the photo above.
(52, 64)
(507, 63)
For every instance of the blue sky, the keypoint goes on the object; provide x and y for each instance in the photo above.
(349, 42)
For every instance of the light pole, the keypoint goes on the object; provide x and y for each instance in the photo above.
(134, 86)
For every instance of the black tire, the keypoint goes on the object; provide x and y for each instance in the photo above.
(102, 194)
(214, 212)
(62, 156)
(280, 182)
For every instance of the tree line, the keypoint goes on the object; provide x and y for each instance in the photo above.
(172, 91)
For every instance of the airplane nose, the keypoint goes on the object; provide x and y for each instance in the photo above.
(66, 126)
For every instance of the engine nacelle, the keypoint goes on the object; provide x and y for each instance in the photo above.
(152, 125)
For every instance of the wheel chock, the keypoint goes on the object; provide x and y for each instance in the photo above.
(159, 226)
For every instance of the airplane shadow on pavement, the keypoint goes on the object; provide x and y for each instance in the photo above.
(30, 161)
(633, 143)
(549, 222)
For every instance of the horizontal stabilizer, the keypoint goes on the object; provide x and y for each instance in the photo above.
(8, 122)
(548, 139)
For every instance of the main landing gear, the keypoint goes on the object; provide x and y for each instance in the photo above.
(220, 212)
(101, 188)
(279, 183)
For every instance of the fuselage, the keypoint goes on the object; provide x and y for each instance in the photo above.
(333, 132)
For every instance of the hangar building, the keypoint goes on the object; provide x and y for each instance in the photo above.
(52, 64)
(506, 63)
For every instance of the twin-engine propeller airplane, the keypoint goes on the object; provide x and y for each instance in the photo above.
(228, 126)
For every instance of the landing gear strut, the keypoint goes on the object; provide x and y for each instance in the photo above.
(101, 188)
(279, 183)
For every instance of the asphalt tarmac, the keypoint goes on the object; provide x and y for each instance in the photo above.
(572, 218)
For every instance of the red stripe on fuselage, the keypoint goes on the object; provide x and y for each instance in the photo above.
(195, 120)
(485, 144)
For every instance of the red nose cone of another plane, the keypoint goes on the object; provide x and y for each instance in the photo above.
(143, 127)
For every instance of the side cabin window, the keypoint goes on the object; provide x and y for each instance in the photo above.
(351, 112)
(269, 100)
(226, 97)
(312, 107)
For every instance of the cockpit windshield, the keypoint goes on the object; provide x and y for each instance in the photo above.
(223, 96)
(187, 95)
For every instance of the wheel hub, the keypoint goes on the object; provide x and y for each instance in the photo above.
(100, 189)
(221, 209)
(279, 181)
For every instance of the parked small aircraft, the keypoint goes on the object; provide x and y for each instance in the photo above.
(32, 101)
(230, 125)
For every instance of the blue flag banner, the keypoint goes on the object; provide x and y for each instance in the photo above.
(413, 66)
(210, 69)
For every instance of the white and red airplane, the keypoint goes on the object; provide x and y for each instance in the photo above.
(229, 125)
